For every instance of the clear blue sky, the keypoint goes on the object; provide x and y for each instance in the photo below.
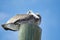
(48, 9)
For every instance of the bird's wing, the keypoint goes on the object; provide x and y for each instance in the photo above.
(10, 23)
(17, 17)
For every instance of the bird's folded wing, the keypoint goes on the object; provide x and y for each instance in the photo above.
(17, 17)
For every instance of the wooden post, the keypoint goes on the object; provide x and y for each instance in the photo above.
(29, 32)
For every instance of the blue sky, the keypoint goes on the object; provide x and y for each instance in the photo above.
(48, 9)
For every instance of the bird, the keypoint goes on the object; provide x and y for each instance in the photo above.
(14, 23)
